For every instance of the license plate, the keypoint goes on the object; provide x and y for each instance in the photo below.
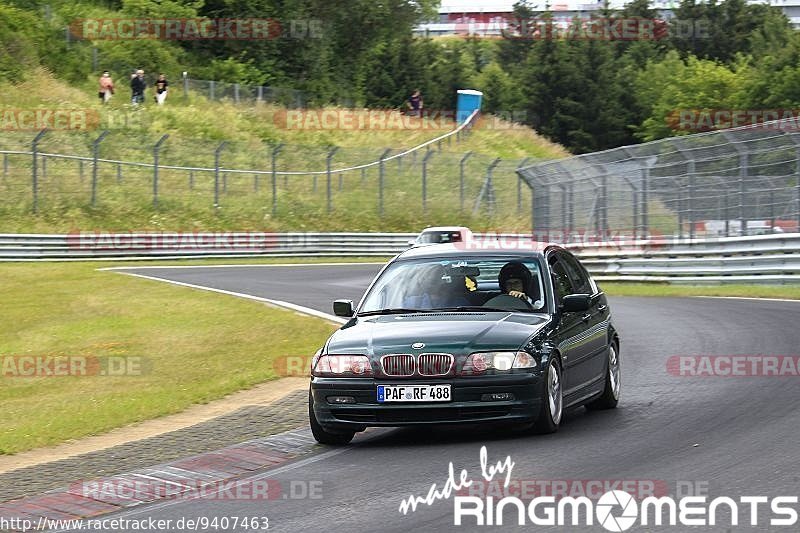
(413, 393)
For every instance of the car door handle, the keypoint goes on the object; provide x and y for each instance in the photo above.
(602, 308)
(586, 318)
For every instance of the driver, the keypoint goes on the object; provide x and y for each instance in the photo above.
(515, 280)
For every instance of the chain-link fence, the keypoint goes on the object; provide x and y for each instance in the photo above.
(357, 188)
(241, 93)
(723, 183)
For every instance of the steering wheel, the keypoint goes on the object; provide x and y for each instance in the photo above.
(512, 303)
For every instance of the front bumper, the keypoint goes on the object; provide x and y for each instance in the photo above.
(465, 407)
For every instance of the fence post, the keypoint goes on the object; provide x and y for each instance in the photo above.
(236, 92)
(275, 151)
(34, 176)
(156, 150)
(519, 185)
(604, 185)
(771, 209)
(571, 208)
(487, 189)
(727, 213)
(260, 93)
(381, 169)
(742, 192)
(645, 186)
(690, 198)
(119, 172)
(328, 159)
(80, 169)
(490, 185)
(44, 167)
(217, 153)
(425, 180)
(211, 90)
(797, 187)
(185, 86)
(461, 180)
(95, 154)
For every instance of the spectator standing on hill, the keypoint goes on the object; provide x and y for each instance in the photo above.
(161, 89)
(138, 86)
(106, 87)
(415, 103)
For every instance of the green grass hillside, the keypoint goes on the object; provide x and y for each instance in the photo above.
(196, 127)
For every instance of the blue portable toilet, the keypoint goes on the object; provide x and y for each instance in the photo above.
(468, 101)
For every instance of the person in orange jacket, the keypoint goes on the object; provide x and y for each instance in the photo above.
(106, 87)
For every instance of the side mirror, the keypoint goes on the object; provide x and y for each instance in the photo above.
(412, 242)
(343, 308)
(576, 302)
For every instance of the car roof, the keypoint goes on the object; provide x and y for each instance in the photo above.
(444, 228)
(457, 250)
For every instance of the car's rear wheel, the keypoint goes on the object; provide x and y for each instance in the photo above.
(552, 399)
(322, 435)
(613, 387)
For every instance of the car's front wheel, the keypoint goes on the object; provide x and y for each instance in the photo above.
(613, 387)
(322, 435)
(552, 399)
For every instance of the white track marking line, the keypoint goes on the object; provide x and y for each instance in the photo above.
(279, 303)
(241, 266)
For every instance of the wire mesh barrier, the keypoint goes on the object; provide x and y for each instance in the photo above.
(55, 171)
(740, 181)
(243, 93)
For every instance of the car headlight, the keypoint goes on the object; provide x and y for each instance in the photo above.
(479, 362)
(342, 366)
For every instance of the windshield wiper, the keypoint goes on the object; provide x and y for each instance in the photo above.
(392, 311)
(473, 308)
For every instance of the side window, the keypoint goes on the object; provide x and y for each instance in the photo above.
(561, 282)
(577, 274)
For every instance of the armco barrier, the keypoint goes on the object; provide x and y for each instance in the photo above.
(753, 259)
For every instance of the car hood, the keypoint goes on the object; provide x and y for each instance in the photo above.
(440, 332)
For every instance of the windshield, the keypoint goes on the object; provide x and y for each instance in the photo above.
(508, 284)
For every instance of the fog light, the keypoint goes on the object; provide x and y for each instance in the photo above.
(341, 399)
(497, 397)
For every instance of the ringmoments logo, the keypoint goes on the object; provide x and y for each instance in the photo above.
(615, 510)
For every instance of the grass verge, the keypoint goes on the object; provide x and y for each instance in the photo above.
(194, 346)
(785, 292)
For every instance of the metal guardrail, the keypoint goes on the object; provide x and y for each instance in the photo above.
(753, 259)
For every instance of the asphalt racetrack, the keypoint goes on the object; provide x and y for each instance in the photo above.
(724, 436)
